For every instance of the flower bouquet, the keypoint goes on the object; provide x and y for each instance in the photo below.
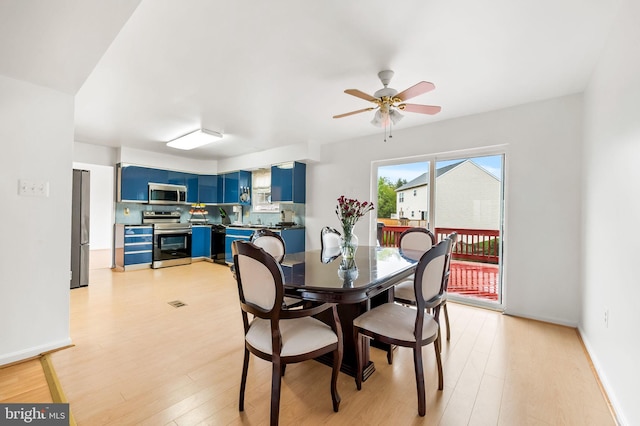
(349, 211)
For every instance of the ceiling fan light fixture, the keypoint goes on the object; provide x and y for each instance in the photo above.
(395, 116)
(194, 139)
(378, 118)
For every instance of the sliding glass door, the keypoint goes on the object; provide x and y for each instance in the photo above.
(463, 195)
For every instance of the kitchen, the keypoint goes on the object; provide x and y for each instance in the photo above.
(169, 218)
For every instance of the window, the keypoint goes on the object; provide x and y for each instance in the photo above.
(261, 192)
(401, 197)
(461, 194)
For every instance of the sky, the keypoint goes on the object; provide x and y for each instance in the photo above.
(409, 171)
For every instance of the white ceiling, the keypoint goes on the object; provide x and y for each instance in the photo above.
(268, 74)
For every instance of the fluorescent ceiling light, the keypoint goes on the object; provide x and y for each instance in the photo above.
(194, 139)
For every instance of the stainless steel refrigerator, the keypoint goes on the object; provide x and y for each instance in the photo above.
(80, 229)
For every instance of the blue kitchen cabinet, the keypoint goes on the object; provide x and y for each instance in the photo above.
(288, 182)
(232, 235)
(231, 188)
(210, 189)
(293, 239)
(244, 184)
(201, 241)
(191, 182)
(133, 247)
(134, 182)
(175, 178)
(237, 187)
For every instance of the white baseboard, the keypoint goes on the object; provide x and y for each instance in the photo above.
(602, 377)
(32, 352)
(100, 259)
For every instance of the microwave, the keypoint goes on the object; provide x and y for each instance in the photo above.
(163, 193)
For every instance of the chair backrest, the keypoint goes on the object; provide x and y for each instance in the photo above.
(453, 238)
(329, 244)
(260, 280)
(271, 242)
(417, 239)
(430, 275)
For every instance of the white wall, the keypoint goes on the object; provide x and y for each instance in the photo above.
(164, 161)
(94, 154)
(413, 203)
(101, 205)
(467, 197)
(36, 133)
(542, 237)
(611, 215)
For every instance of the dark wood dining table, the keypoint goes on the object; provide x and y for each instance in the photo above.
(355, 286)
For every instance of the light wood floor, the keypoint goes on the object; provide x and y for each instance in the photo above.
(24, 382)
(138, 360)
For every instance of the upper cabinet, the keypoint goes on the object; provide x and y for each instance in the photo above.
(210, 189)
(288, 185)
(237, 187)
(288, 182)
(133, 182)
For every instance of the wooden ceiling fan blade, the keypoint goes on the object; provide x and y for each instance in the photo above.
(415, 90)
(358, 94)
(353, 112)
(422, 109)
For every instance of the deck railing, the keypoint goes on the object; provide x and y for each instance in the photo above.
(477, 245)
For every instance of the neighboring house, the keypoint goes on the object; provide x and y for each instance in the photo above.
(467, 196)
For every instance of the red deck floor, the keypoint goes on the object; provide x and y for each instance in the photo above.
(474, 279)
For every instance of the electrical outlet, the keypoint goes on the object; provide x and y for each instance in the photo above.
(33, 188)
(606, 317)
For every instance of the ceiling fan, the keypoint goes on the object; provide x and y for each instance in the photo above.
(388, 101)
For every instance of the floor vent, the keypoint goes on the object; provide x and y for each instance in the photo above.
(177, 304)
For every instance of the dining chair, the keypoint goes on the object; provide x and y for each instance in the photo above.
(273, 244)
(406, 326)
(403, 292)
(329, 244)
(415, 241)
(277, 335)
(454, 239)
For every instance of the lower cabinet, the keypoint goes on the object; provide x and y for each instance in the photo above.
(293, 239)
(133, 248)
(232, 235)
(200, 242)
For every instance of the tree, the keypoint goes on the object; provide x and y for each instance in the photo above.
(399, 183)
(386, 197)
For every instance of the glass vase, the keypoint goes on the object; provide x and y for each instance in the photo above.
(348, 272)
(348, 246)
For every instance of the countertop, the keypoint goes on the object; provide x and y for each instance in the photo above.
(254, 227)
(270, 227)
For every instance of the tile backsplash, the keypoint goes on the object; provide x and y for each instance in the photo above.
(131, 213)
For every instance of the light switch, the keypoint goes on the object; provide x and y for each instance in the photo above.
(33, 188)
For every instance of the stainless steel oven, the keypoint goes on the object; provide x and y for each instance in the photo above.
(171, 239)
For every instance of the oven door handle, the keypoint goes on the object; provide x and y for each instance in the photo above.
(172, 231)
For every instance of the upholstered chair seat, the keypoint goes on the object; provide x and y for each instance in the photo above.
(278, 335)
(408, 326)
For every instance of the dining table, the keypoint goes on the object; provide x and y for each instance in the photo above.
(355, 285)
